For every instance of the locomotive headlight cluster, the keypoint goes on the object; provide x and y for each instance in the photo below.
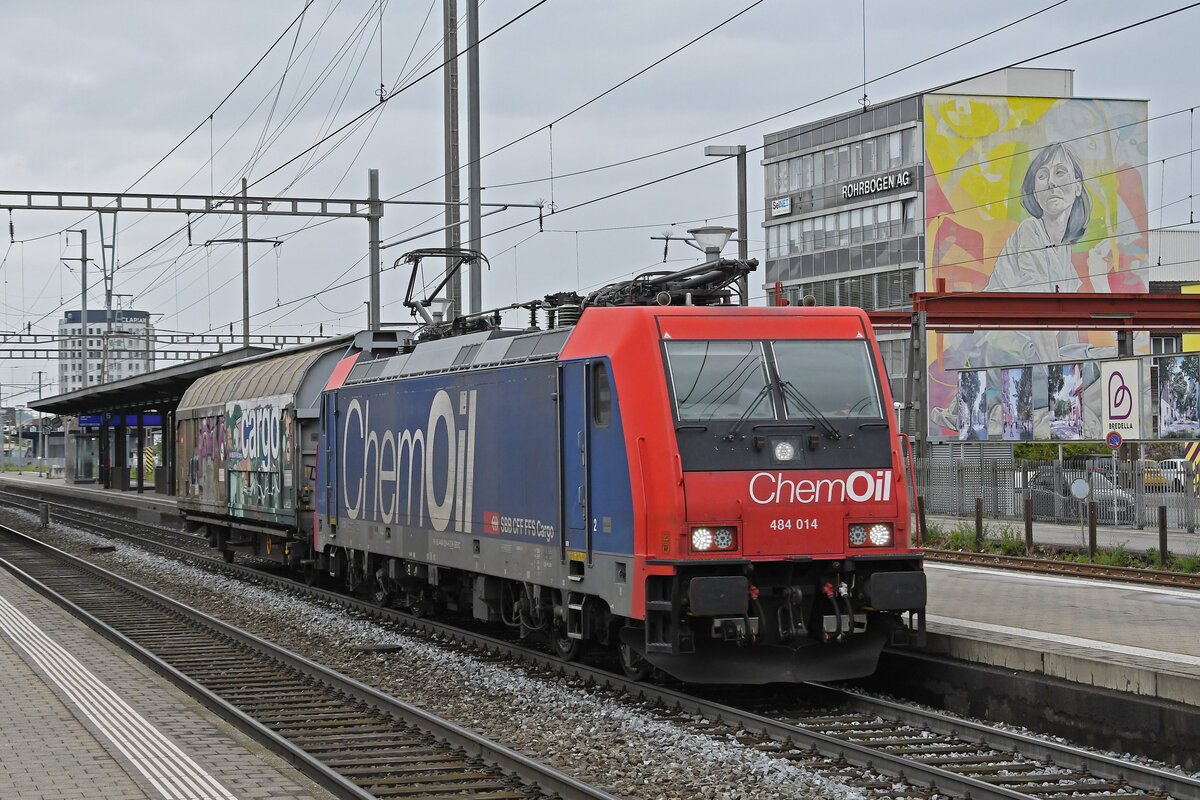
(862, 534)
(707, 539)
(784, 450)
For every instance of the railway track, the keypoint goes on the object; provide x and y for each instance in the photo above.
(853, 738)
(985, 761)
(90, 520)
(1186, 580)
(354, 740)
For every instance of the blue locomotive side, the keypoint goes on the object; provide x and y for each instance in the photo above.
(406, 466)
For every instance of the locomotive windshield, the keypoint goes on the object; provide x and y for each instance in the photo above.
(720, 380)
(788, 380)
(837, 377)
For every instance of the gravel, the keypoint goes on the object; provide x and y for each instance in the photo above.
(623, 746)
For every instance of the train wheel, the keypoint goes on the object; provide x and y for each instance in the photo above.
(633, 665)
(381, 596)
(565, 647)
(227, 554)
(311, 575)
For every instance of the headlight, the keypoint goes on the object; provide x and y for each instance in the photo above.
(878, 534)
(708, 539)
(784, 450)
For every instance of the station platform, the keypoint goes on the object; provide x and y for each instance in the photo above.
(83, 719)
(1123, 637)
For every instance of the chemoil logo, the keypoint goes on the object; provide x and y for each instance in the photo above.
(771, 488)
(389, 474)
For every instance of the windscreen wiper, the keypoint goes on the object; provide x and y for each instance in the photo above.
(791, 391)
(746, 414)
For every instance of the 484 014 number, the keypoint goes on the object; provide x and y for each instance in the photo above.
(797, 524)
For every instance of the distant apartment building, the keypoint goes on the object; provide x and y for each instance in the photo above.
(117, 349)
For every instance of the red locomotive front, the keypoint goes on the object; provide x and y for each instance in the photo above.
(774, 542)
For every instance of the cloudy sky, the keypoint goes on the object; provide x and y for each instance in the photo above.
(601, 108)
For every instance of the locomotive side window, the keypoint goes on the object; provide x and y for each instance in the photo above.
(837, 377)
(601, 395)
(719, 380)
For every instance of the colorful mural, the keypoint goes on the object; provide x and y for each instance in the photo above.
(1064, 397)
(206, 465)
(972, 397)
(1016, 403)
(259, 446)
(1179, 397)
(1026, 194)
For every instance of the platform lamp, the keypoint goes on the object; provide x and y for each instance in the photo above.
(738, 150)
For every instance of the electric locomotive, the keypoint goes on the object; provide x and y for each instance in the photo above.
(714, 491)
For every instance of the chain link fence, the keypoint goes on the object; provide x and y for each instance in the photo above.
(1126, 494)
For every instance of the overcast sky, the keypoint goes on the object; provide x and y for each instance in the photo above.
(150, 97)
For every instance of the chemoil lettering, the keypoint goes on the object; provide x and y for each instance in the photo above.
(390, 474)
(770, 488)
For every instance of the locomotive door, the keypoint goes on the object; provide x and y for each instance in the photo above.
(328, 469)
(574, 428)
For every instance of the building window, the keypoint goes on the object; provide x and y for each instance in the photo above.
(875, 291)
(1165, 345)
(889, 220)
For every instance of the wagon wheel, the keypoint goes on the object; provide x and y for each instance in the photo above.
(565, 647)
(380, 595)
(635, 667)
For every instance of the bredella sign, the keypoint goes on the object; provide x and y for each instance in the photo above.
(1121, 382)
(882, 183)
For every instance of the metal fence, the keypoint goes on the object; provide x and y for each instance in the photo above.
(1126, 494)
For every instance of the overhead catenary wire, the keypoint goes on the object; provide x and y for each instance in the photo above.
(356, 120)
(561, 176)
(675, 51)
(679, 173)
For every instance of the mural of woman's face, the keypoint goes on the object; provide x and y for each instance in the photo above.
(1056, 185)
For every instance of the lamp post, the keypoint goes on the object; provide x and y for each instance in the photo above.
(738, 150)
(42, 431)
(711, 239)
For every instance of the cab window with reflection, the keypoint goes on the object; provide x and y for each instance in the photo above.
(838, 377)
(719, 380)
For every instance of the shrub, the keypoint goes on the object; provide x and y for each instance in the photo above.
(935, 535)
(1011, 543)
(1117, 557)
(1185, 563)
(962, 537)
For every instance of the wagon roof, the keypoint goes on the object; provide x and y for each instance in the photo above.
(281, 374)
